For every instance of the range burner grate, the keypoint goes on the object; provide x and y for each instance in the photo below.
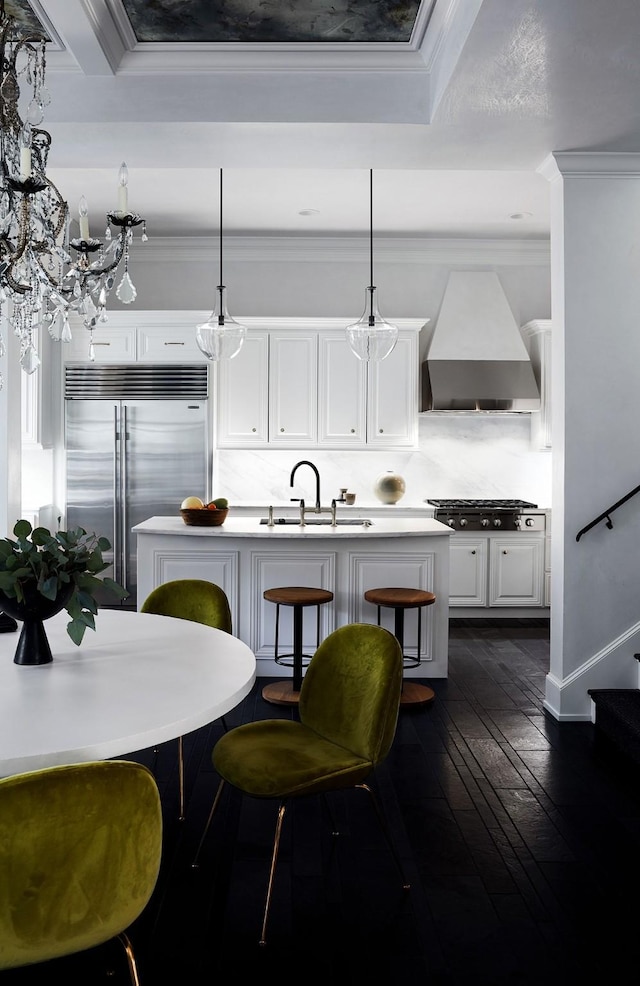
(483, 504)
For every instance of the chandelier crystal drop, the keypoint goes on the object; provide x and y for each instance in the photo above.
(41, 283)
(220, 337)
(371, 338)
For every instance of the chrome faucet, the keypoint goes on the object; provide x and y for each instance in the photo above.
(305, 462)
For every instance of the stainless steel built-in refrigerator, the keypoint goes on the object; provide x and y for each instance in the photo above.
(137, 443)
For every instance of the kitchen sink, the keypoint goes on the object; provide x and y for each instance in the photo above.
(324, 521)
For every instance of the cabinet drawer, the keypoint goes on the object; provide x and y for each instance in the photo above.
(111, 344)
(164, 345)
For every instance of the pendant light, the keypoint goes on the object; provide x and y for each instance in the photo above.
(220, 337)
(371, 337)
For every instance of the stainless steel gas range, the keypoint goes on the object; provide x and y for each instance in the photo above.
(489, 515)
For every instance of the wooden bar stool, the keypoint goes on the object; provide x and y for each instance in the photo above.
(400, 600)
(288, 692)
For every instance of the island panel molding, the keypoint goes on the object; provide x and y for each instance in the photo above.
(270, 569)
(220, 568)
(408, 570)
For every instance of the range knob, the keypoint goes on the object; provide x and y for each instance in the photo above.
(484, 522)
(463, 522)
(451, 521)
(530, 522)
(517, 522)
(497, 522)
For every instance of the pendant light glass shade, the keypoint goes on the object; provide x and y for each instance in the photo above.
(371, 337)
(220, 337)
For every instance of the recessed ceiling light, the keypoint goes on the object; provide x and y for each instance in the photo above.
(309, 212)
(520, 215)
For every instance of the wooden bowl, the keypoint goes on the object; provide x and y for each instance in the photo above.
(204, 518)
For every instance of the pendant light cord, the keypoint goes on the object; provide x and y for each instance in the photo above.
(371, 315)
(220, 227)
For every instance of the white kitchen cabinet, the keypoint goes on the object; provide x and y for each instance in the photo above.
(392, 399)
(342, 393)
(168, 342)
(516, 571)
(319, 395)
(148, 337)
(367, 404)
(242, 396)
(468, 571)
(112, 343)
(293, 389)
(537, 334)
(497, 571)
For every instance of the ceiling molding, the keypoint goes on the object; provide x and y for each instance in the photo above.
(449, 27)
(594, 164)
(291, 249)
(88, 33)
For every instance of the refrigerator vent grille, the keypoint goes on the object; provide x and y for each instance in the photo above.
(130, 380)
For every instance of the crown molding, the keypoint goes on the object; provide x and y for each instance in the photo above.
(591, 164)
(346, 249)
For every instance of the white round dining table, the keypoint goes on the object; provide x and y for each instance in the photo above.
(137, 680)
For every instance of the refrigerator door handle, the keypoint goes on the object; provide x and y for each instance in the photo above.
(124, 498)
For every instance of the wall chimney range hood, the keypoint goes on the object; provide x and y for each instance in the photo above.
(477, 359)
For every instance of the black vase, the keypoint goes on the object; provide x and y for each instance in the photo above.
(33, 646)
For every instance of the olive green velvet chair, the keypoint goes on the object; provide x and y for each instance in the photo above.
(80, 851)
(201, 602)
(348, 710)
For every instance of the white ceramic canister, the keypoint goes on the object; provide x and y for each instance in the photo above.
(389, 487)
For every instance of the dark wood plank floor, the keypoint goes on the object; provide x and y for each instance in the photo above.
(521, 839)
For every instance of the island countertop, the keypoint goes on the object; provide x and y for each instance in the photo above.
(251, 527)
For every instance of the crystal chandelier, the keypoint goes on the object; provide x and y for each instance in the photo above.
(371, 337)
(220, 337)
(40, 282)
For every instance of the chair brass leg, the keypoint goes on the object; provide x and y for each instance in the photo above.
(387, 834)
(194, 864)
(274, 857)
(181, 776)
(131, 961)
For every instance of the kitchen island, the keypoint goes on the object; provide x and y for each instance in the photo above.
(246, 556)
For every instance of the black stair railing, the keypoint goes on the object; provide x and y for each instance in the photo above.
(605, 514)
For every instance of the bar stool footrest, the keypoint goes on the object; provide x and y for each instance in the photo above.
(288, 660)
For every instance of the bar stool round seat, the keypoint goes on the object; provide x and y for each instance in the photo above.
(287, 692)
(399, 600)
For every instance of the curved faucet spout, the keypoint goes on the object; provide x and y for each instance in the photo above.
(305, 462)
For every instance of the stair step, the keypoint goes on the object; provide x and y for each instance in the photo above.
(618, 718)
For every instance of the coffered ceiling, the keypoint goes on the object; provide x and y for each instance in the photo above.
(455, 104)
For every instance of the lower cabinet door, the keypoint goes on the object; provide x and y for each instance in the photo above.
(516, 571)
(468, 571)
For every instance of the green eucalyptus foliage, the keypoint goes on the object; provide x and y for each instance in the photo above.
(52, 561)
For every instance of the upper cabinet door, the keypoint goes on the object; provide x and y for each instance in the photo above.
(392, 413)
(342, 393)
(242, 395)
(293, 389)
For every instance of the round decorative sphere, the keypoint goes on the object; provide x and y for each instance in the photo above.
(389, 487)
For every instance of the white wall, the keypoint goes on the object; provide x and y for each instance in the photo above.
(595, 629)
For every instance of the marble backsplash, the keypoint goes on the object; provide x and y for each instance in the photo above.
(467, 455)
